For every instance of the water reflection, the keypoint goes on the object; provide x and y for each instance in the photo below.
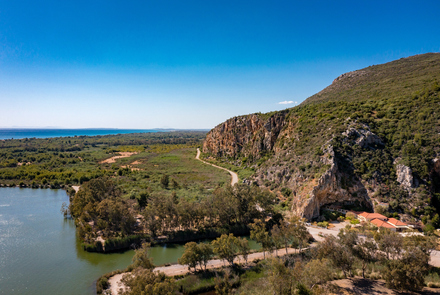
(41, 254)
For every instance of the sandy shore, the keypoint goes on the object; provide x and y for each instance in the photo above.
(116, 284)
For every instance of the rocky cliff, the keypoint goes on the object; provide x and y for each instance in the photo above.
(244, 135)
(371, 137)
(253, 136)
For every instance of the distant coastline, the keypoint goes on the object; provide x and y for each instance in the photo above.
(19, 133)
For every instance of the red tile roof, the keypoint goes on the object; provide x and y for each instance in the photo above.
(396, 222)
(372, 216)
(381, 223)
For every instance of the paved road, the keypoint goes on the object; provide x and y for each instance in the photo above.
(234, 175)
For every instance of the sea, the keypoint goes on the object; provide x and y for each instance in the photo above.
(15, 133)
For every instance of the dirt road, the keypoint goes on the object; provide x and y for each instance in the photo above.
(177, 269)
(114, 158)
(234, 175)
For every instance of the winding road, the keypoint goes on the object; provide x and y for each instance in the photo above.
(234, 175)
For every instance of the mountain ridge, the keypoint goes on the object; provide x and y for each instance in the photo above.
(349, 144)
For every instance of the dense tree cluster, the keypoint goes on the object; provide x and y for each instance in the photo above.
(97, 206)
(226, 207)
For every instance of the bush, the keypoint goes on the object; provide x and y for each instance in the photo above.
(323, 224)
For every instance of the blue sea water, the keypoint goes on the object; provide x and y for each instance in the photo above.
(12, 133)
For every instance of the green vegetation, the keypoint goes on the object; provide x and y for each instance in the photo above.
(398, 102)
(159, 190)
(147, 282)
(401, 261)
(196, 254)
(227, 247)
(405, 118)
(101, 213)
(62, 162)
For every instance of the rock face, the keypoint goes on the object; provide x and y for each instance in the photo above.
(253, 136)
(363, 136)
(328, 190)
(405, 177)
(245, 135)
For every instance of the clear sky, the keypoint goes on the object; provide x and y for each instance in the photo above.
(190, 64)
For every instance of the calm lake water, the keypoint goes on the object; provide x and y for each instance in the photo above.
(39, 252)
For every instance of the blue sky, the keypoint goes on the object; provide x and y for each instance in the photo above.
(190, 64)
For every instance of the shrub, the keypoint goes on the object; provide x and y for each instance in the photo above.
(323, 224)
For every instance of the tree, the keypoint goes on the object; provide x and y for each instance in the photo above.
(165, 181)
(142, 199)
(366, 252)
(339, 254)
(280, 277)
(243, 246)
(389, 242)
(299, 232)
(277, 238)
(190, 256)
(151, 222)
(286, 234)
(226, 247)
(142, 257)
(316, 272)
(223, 286)
(409, 271)
(148, 282)
(205, 252)
(260, 235)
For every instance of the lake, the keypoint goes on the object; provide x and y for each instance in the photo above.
(39, 252)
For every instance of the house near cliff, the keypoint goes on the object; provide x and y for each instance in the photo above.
(382, 224)
(382, 221)
(365, 216)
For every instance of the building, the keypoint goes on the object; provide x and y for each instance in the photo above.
(364, 216)
(399, 225)
(382, 221)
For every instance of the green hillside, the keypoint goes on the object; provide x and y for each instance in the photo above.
(398, 102)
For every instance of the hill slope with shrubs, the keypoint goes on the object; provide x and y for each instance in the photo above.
(370, 141)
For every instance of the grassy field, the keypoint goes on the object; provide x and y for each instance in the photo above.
(59, 162)
(188, 176)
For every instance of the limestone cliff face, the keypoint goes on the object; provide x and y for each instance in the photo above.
(245, 135)
(252, 135)
(330, 189)
(405, 177)
(353, 141)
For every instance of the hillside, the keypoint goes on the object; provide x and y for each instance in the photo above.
(371, 138)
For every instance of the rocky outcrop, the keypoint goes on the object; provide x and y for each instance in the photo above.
(436, 164)
(329, 190)
(252, 135)
(405, 177)
(350, 75)
(245, 135)
(362, 136)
